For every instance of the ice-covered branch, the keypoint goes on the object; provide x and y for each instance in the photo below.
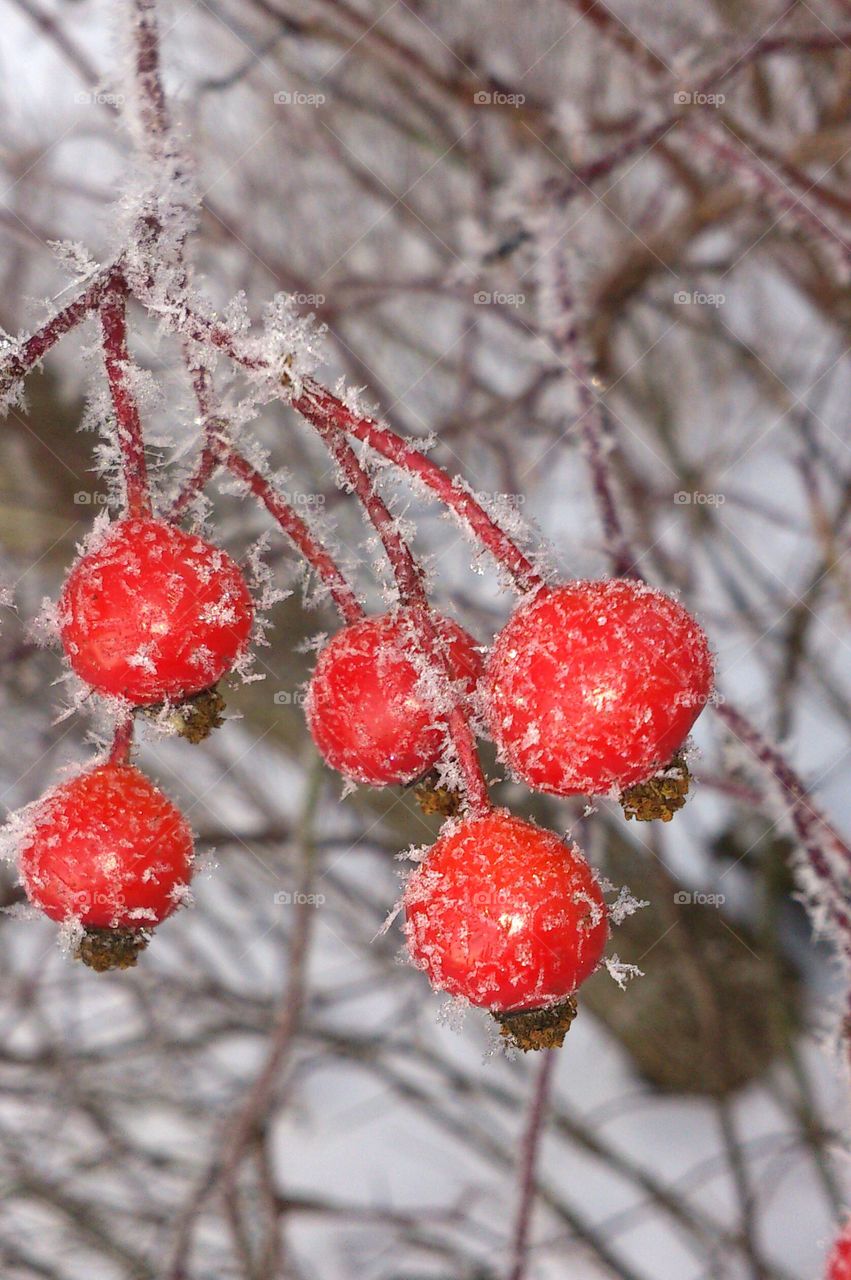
(324, 409)
(113, 314)
(24, 356)
(295, 529)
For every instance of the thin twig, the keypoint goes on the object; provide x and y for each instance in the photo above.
(113, 314)
(529, 1154)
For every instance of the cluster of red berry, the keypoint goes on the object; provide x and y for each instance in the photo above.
(590, 688)
(151, 615)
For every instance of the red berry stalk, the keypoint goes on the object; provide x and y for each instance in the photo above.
(295, 529)
(324, 410)
(21, 361)
(412, 593)
(217, 452)
(113, 316)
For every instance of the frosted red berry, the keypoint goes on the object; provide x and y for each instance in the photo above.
(594, 685)
(505, 914)
(154, 613)
(107, 849)
(366, 707)
(839, 1262)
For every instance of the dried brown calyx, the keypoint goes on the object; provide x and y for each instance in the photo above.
(660, 796)
(196, 717)
(434, 798)
(105, 949)
(530, 1029)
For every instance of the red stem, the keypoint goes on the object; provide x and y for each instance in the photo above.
(21, 361)
(528, 1165)
(208, 459)
(217, 452)
(122, 741)
(592, 422)
(296, 530)
(323, 409)
(113, 314)
(412, 593)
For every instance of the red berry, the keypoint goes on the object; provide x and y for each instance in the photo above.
(369, 716)
(839, 1262)
(505, 914)
(594, 685)
(107, 849)
(154, 613)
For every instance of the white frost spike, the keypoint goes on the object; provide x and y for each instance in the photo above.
(621, 972)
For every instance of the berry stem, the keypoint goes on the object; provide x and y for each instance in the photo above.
(19, 362)
(528, 1164)
(559, 306)
(211, 426)
(122, 741)
(412, 593)
(323, 409)
(113, 314)
(296, 530)
(216, 452)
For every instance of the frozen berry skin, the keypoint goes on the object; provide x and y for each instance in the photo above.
(365, 709)
(593, 686)
(154, 613)
(107, 849)
(839, 1262)
(505, 914)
